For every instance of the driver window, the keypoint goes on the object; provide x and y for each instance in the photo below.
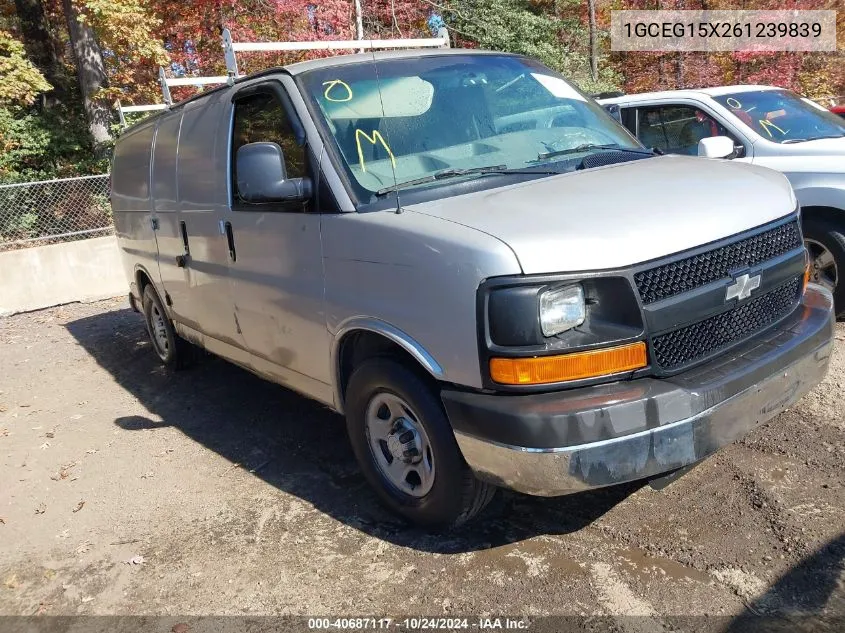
(677, 129)
(260, 117)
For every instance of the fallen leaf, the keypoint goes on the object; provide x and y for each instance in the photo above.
(79, 506)
(84, 548)
(182, 627)
(41, 509)
(2, 521)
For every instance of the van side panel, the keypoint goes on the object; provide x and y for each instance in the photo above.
(175, 279)
(203, 201)
(131, 206)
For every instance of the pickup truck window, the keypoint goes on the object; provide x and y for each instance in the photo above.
(260, 117)
(782, 116)
(677, 129)
(399, 120)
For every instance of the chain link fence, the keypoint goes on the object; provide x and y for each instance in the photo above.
(53, 211)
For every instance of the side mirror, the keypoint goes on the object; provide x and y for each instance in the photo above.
(614, 110)
(716, 147)
(262, 177)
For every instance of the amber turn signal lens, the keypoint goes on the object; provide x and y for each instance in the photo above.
(575, 366)
(806, 277)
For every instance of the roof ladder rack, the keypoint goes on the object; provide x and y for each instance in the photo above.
(231, 48)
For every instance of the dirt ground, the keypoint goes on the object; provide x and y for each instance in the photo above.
(127, 489)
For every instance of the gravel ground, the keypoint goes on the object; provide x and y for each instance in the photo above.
(128, 489)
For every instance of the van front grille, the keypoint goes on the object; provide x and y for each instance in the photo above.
(691, 343)
(692, 272)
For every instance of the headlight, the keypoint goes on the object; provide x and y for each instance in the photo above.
(562, 309)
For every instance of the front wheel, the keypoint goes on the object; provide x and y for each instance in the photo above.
(825, 242)
(406, 448)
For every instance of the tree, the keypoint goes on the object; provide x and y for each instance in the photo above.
(594, 44)
(91, 74)
(39, 43)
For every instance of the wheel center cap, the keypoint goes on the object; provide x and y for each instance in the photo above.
(395, 446)
(404, 442)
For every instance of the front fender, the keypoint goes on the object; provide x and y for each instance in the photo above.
(819, 190)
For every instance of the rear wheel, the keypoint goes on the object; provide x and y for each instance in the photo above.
(406, 448)
(170, 348)
(825, 242)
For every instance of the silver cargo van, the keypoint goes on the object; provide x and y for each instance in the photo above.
(492, 279)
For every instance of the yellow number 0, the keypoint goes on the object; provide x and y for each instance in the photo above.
(337, 82)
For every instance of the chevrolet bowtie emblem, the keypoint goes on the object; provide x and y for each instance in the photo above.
(742, 287)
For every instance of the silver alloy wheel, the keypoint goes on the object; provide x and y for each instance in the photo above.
(399, 444)
(158, 328)
(823, 268)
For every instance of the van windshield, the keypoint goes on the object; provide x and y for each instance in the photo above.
(782, 116)
(399, 121)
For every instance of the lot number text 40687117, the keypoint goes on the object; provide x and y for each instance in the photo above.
(419, 624)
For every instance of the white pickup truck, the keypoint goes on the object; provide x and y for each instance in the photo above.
(771, 127)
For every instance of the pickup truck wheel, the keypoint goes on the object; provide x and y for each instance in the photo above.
(826, 243)
(171, 349)
(406, 448)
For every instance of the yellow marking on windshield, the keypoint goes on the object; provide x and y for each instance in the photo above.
(375, 138)
(766, 124)
(330, 86)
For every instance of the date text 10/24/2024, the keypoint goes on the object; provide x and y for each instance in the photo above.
(419, 624)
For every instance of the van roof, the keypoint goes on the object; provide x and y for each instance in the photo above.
(355, 58)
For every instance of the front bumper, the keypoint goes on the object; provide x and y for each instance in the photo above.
(557, 443)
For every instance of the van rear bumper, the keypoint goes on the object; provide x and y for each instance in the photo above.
(558, 443)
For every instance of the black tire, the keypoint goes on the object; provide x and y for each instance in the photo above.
(456, 495)
(830, 235)
(172, 350)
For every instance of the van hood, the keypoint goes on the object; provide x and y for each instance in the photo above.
(623, 214)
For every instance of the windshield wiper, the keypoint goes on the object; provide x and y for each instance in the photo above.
(586, 147)
(453, 173)
(812, 138)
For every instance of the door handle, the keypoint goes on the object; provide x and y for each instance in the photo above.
(230, 238)
(182, 260)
